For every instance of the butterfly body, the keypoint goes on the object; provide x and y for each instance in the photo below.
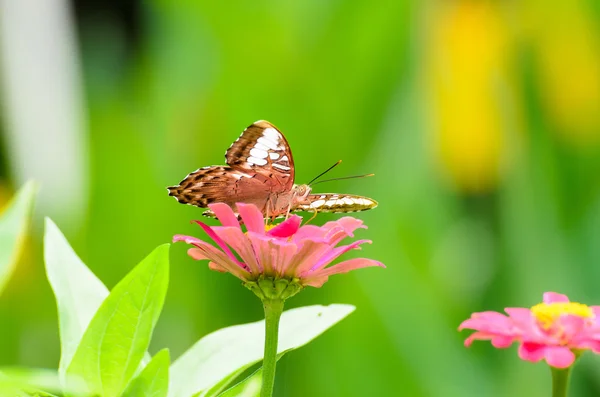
(260, 171)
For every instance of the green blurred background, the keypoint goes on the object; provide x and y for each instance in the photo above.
(480, 119)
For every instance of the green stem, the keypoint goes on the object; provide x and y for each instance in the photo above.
(273, 309)
(560, 381)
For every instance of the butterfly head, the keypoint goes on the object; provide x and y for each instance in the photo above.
(301, 192)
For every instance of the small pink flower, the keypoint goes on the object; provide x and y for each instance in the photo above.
(556, 330)
(302, 255)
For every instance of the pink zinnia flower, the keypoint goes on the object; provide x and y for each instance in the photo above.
(556, 330)
(278, 262)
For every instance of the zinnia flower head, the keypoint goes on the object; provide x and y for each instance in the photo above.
(279, 262)
(556, 330)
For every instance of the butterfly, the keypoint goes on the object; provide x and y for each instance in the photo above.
(260, 171)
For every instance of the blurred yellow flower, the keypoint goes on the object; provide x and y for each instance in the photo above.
(465, 76)
(566, 42)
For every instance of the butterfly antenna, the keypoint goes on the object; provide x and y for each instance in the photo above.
(324, 172)
(346, 177)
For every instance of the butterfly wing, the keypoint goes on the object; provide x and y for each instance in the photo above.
(332, 202)
(263, 149)
(259, 162)
(218, 184)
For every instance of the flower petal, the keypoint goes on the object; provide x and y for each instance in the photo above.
(593, 345)
(216, 267)
(489, 321)
(502, 341)
(224, 214)
(273, 255)
(287, 250)
(239, 242)
(533, 352)
(252, 217)
(208, 251)
(332, 255)
(332, 232)
(286, 228)
(186, 239)
(335, 235)
(283, 255)
(264, 256)
(306, 256)
(219, 242)
(348, 225)
(342, 267)
(197, 254)
(310, 232)
(351, 224)
(571, 326)
(559, 356)
(477, 336)
(331, 235)
(553, 297)
(316, 282)
(519, 314)
(522, 319)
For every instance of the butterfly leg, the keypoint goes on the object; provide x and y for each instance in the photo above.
(287, 214)
(267, 214)
(268, 217)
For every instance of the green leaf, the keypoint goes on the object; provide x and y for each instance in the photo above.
(114, 343)
(33, 381)
(10, 387)
(229, 350)
(249, 387)
(153, 381)
(13, 226)
(223, 384)
(78, 292)
(12, 392)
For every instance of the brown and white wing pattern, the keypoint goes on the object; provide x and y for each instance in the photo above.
(332, 202)
(259, 162)
(263, 149)
(217, 184)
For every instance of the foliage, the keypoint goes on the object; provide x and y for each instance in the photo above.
(13, 227)
(105, 337)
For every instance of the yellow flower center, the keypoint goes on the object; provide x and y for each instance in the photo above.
(548, 313)
(267, 228)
